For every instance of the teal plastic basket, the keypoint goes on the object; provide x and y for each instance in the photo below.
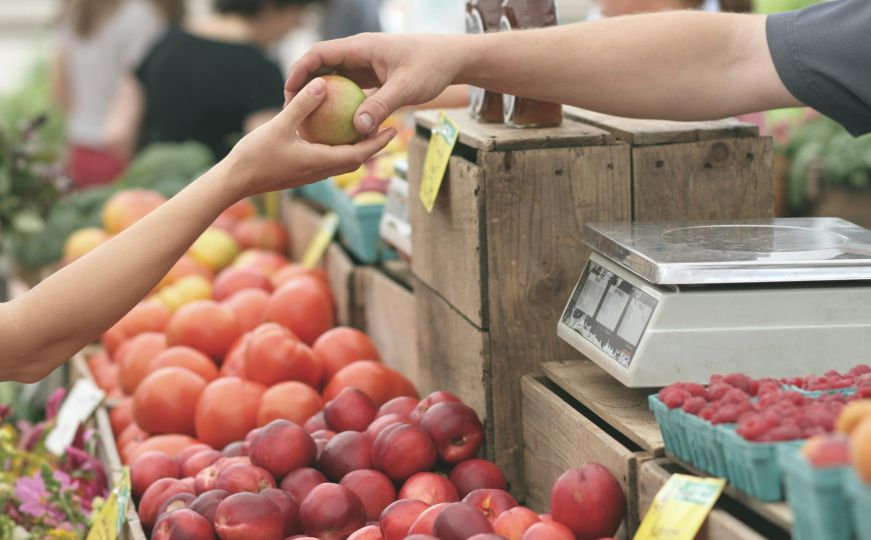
(321, 193)
(818, 498)
(690, 437)
(672, 424)
(754, 467)
(859, 497)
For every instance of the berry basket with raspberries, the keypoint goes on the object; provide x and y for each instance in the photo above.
(859, 496)
(733, 427)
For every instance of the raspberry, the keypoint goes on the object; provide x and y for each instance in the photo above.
(708, 412)
(738, 380)
(785, 433)
(694, 405)
(768, 387)
(864, 392)
(735, 396)
(695, 389)
(861, 369)
(794, 397)
(752, 427)
(718, 390)
(832, 373)
(715, 379)
(754, 387)
(673, 397)
(727, 414)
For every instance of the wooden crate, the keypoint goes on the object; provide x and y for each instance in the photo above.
(727, 521)
(559, 434)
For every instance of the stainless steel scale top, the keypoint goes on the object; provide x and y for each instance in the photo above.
(731, 252)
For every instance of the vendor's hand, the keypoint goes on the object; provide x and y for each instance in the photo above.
(274, 157)
(406, 70)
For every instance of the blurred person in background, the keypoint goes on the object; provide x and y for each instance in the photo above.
(208, 81)
(99, 41)
(343, 18)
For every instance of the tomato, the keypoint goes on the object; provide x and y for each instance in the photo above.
(112, 340)
(184, 267)
(227, 410)
(166, 400)
(261, 233)
(147, 316)
(341, 346)
(204, 325)
(275, 355)
(185, 357)
(294, 401)
(302, 306)
(261, 260)
(104, 371)
(378, 381)
(135, 355)
(292, 271)
(240, 210)
(233, 280)
(249, 306)
(234, 362)
(121, 415)
(170, 444)
(132, 433)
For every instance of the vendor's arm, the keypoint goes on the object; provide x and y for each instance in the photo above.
(678, 65)
(45, 327)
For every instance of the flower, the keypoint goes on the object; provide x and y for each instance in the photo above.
(54, 402)
(31, 492)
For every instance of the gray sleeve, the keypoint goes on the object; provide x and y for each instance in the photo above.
(823, 56)
(142, 26)
(343, 18)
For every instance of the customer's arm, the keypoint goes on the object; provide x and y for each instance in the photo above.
(121, 127)
(43, 328)
(677, 65)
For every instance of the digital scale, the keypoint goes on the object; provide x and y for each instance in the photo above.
(659, 303)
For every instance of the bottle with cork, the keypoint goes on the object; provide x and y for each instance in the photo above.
(483, 16)
(523, 112)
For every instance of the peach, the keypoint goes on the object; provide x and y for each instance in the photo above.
(475, 474)
(382, 422)
(486, 536)
(172, 444)
(205, 325)
(261, 233)
(289, 508)
(421, 537)
(121, 415)
(548, 531)
(513, 522)
(235, 449)
(315, 422)
(430, 488)
(853, 413)
(249, 306)
(433, 399)
(146, 316)
(241, 477)
(375, 490)
(135, 355)
(860, 449)
(233, 280)
(183, 524)
(148, 468)
(154, 497)
(589, 501)
(348, 451)
(82, 241)
(426, 521)
(292, 400)
(165, 401)
(243, 516)
(324, 434)
(183, 268)
(190, 451)
(369, 532)
(491, 502)
(261, 260)
(127, 207)
(332, 122)
(350, 410)
(305, 308)
(396, 519)
(207, 503)
(301, 481)
(214, 249)
(341, 346)
(275, 355)
(401, 450)
(176, 502)
(188, 358)
(459, 521)
(402, 406)
(199, 461)
(281, 447)
(331, 512)
(455, 429)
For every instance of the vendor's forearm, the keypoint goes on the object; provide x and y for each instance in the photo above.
(679, 65)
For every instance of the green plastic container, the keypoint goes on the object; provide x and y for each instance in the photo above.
(672, 424)
(818, 498)
(859, 496)
(754, 467)
(321, 193)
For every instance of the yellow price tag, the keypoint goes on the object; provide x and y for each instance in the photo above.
(438, 154)
(321, 240)
(110, 519)
(680, 508)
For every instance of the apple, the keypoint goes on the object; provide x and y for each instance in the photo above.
(426, 521)
(331, 512)
(289, 509)
(513, 522)
(459, 521)
(183, 525)
(430, 488)
(243, 516)
(401, 450)
(430, 400)
(455, 429)
(207, 503)
(374, 489)
(396, 519)
(350, 410)
(474, 474)
(281, 447)
(240, 477)
(402, 405)
(301, 481)
(589, 501)
(332, 122)
(149, 467)
(491, 502)
(348, 451)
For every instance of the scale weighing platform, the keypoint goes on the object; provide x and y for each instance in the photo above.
(659, 303)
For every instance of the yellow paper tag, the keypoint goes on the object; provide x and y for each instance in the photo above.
(680, 508)
(321, 240)
(110, 519)
(438, 154)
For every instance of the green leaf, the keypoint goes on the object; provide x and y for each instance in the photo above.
(28, 222)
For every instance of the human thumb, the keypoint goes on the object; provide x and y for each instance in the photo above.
(377, 107)
(305, 102)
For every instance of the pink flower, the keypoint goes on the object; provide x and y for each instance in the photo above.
(55, 400)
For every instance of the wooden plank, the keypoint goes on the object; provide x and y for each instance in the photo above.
(389, 319)
(718, 179)
(642, 132)
(453, 354)
(399, 271)
(302, 222)
(490, 137)
(625, 409)
(720, 525)
(448, 251)
(557, 438)
(537, 203)
(339, 269)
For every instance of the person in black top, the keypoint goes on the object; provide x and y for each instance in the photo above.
(209, 81)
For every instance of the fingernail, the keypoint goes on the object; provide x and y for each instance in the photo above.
(366, 122)
(317, 86)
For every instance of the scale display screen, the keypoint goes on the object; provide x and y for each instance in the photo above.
(609, 312)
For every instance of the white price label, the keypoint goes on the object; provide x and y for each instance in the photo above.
(77, 407)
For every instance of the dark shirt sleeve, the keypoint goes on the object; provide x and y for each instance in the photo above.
(823, 56)
(263, 90)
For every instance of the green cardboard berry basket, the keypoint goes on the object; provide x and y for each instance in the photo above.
(818, 498)
(754, 467)
(859, 497)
